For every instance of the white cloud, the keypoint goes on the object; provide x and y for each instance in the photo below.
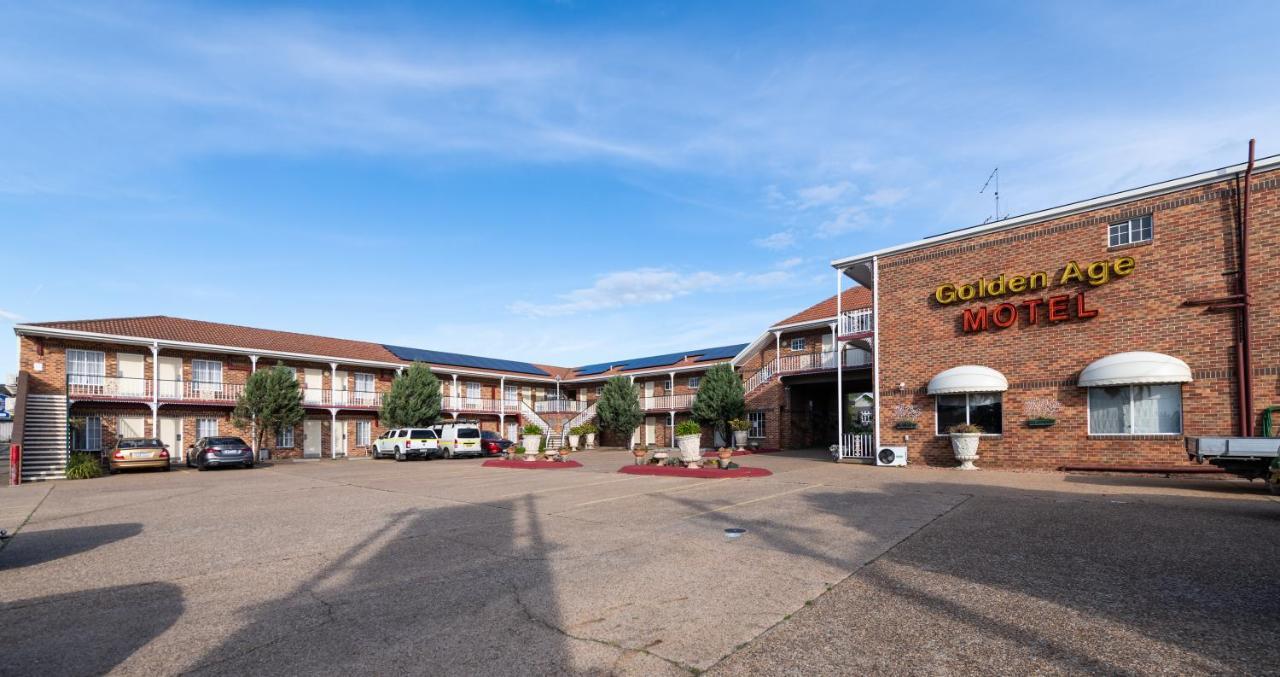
(787, 264)
(822, 194)
(644, 286)
(781, 240)
(843, 221)
(10, 316)
(886, 197)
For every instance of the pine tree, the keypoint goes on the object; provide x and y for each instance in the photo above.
(619, 408)
(720, 399)
(414, 399)
(271, 400)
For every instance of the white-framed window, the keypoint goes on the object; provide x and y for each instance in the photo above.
(694, 382)
(1136, 410)
(981, 409)
(865, 417)
(472, 389)
(797, 344)
(511, 393)
(284, 437)
(207, 374)
(364, 431)
(756, 419)
(206, 427)
(1129, 232)
(88, 435)
(364, 382)
(86, 367)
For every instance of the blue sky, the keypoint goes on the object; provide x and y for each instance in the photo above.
(570, 182)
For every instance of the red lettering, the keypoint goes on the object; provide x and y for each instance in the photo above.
(1081, 312)
(1033, 310)
(1058, 308)
(974, 319)
(1004, 315)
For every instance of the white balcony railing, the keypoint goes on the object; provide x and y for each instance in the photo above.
(479, 404)
(853, 357)
(559, 406)
(759, 378)
(321, 397)
(666, 402)
(108, 387)
(855, 322)
(206, 391)
(855, 446)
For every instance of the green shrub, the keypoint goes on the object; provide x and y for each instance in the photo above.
(575, 430)
(740, 424)
(965, 428)
(589, 428)
(84, 466)
(688, 427)
(532, 429)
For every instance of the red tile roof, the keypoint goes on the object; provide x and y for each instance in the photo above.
(853, 298)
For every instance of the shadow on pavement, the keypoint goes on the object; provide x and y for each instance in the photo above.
(108, 626)
(452, 590)
(35, 547)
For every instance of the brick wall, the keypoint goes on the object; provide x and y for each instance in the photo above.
(1193, 255)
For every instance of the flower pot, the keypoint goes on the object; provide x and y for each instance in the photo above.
(740, 438)
(552, 454)
(965, 447)
(906, 425)
(573, 441)
(1040, 422)
(690, 448)
(591, 440)
(725, 455)
(532, 443)
(530, 455)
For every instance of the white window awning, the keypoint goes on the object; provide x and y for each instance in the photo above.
(1135, 368)
(968, 378)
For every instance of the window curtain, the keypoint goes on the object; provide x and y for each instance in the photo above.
(1109, 410)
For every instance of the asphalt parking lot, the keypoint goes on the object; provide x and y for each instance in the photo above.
(446, 567)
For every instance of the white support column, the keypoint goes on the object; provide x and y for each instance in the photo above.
(333, 433)
(453, 391)
(253, 364)
(671, 439)
(835, 342)
(875, 346)
(155, 389)
(253, 426)
(777, 351)
(557, 388)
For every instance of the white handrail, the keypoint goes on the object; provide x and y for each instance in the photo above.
(856, 322)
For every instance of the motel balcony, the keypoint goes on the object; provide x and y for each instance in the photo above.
(855, 358)
(340, 399)
(478, 405)
(554, 406)
(666, 402)
(856, 323)
(128, 389)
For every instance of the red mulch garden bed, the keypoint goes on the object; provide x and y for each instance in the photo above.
(531, 465)
(674, 471)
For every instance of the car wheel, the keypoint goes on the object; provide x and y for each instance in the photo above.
(399, 454)
(169, 467)
(448, 452)
(201, 467)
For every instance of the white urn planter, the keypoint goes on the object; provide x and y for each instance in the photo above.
(965, 447)
(690, 448)
(591, 440)
(573, 441)
(532, 444)
(740, 439)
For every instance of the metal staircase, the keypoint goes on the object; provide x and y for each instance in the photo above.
(44, 438)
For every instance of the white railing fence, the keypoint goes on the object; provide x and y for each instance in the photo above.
(855, 322)
(858, 446)
(664, 402)
(478, 404)
(559, 406)
(79, 385)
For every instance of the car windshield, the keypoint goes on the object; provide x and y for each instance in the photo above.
(422, 435)
(140, 443)
(468, 434)
(226, 441)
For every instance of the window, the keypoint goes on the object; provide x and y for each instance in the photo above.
(473, 390)
(865, 417)
(364, 383)
(207, 374)
(364, 430)
(756, 419)
(695, 381)
(206, 427)
(1129, 232)
(86, 367)
(510, 393)
(284, 437)
(797, 344)
(1136, 410)
(86, 435)
(980, 409)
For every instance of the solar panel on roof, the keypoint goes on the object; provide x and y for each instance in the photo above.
(655, 361)
(592, 369)
(721, 353)
(460, 360)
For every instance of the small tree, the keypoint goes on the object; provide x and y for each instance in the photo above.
(720, 399)
(619, 408)
(414, 399)
(270, 400)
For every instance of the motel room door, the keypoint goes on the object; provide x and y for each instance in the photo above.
(170, 377)
(311, 434)
(171, 434)
(340, 430)
(130, 368)
(650, 427)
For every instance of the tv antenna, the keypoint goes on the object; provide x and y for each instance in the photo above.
(995, 176)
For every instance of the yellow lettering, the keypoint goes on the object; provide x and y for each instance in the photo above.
(1124, 265)
(966, 292)
(1071, 273)
(945, 294)
(1017, 283)
(1099, 273)
(1038, 281)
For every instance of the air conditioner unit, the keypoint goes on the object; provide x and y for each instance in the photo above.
(891, 456)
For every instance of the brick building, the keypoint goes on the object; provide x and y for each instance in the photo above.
(1119, 316)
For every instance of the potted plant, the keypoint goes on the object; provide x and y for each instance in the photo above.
(564, 453)
(639, 452)
(515, 451)
(725, 455)
(1041, 412)
(575, 436)
(906, 416)
(740, 428)
(532, 441)
(551, 454)
(589, 430)
(964, 444)
(689, 440)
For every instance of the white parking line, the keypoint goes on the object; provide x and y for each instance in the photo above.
(643, 493)
(575, 486)
(754, 500)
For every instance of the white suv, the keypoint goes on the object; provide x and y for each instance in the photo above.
(405, 443)
(459, 438)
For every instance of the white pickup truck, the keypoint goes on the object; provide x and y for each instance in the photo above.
(1249, 457)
